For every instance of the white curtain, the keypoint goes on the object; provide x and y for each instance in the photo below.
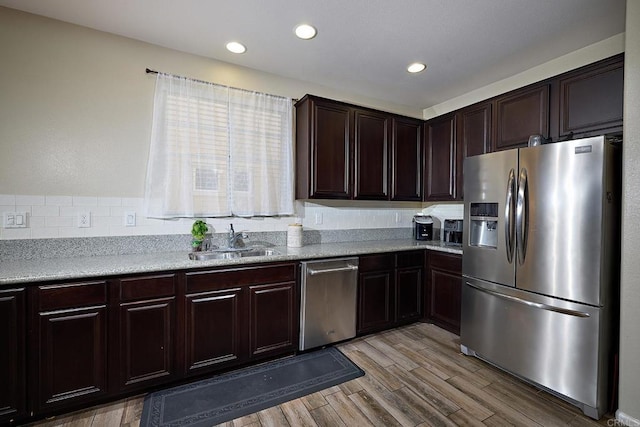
(218, 151)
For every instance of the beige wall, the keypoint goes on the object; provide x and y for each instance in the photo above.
(629, 402)
(76, 105)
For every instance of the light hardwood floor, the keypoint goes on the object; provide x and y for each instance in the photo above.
(415, 376)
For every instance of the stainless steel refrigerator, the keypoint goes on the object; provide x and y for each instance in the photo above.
(541, 255)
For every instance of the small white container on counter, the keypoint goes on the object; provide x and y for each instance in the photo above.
(294, 236)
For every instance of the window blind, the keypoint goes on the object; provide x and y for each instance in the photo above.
(218, 151)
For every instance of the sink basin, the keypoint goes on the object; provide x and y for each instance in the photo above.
(259, 252)
(230, 254)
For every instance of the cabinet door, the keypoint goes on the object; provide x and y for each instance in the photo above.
(408, 294)
(272, 324)
(72, 357)
(406, 160)
(371, 143)
(214, 329)
(144, 326)
(409, 285)
(444, 290)
(591, 100)
(474, 134)
(146, 342)
(521, 114)
(473, 138)
(440, 167)
(12, 355)
(330, 151)
(375, 301)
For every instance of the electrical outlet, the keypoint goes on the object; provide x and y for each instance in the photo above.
(129, 219)
(318, 218)
(84, 219)
(398, 216)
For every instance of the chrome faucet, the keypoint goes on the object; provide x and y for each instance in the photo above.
(233, 237)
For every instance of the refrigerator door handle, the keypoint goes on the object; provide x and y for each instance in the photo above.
(522, 221)
(530, 303)
(509, 208)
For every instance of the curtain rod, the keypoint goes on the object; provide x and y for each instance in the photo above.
(150, 71)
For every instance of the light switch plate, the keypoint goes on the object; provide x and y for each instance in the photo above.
(129, 219)
(14, 219)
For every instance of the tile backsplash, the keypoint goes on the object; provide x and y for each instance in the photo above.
(57, 217)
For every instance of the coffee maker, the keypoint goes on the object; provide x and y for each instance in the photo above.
(425, 226)
(453, 231)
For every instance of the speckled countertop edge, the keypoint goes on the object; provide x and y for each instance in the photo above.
(53, 269)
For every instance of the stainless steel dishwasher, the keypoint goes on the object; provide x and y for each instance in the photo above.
(328, 301)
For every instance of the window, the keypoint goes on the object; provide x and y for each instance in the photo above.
(218, 151)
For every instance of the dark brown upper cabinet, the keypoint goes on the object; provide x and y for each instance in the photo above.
(473, 137)
(406, 159)
(323, 150)
(591, 99)
(348, 152)
(474, 129)
(371, 155)
(519, 114)
(440, 159)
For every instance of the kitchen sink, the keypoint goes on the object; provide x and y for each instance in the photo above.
(232, 253)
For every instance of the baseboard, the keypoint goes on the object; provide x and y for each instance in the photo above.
(626, 420)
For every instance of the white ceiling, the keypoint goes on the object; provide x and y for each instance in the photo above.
(362, 46)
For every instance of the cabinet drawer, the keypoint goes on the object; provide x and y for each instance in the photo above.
(376, 262)
(71, 295)
(147, 287)
(410, 259)
(451, 262)
(220, 279)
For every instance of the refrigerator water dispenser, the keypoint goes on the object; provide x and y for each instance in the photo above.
(483, 230)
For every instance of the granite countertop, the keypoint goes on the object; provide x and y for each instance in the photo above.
(37, 270)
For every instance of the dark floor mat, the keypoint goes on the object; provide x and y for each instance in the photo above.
(238, 393)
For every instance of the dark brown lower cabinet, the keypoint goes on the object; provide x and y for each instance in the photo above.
(444, 290)
(235, 315)
(13, 398)
(409, 284)
(213, 329)
(389, 290)
(69, 351)
(91, 341)
(147, 328)
(272, 320)
(376, 293)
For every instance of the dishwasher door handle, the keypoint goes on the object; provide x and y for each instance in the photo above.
(349, 267)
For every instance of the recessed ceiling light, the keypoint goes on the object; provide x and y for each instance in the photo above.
(236, 47)
(416, 67)
(305, 31)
